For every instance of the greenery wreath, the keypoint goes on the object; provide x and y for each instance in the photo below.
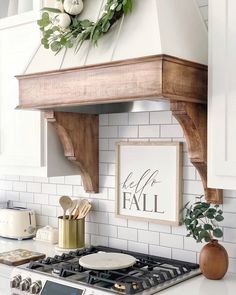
(62, 27)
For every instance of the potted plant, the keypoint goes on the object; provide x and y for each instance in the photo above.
(202, 223)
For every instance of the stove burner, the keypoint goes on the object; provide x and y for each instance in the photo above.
(122, 287)
(147, 272)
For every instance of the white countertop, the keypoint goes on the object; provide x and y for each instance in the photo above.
(202, 286)
(195, 286)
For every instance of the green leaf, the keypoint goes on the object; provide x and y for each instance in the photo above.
(187, 221)
(55, 46)
(209, 215)
(217, 233)
(208, 227)
(219, 218)
(204, 235)
(212, 210)
(50, 9)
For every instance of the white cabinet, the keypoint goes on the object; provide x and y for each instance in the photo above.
(28, 146)
(222, 94)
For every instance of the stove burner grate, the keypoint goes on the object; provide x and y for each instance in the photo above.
(148, 271)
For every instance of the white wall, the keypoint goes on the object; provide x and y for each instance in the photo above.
(102, 227)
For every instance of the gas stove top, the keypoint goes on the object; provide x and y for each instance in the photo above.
(63, 275)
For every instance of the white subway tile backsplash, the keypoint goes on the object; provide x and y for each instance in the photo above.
(99, 217)
(230, 220)
(111, 169)
(169, 240)
(107, 181)
(118, 119)
(13, 196)
(103, 144)
(103, 227)
(232, 265)
(171, 131)
(106, 205)
(184, 255)
(41, 179)
(118, 243)
(145, 236)
(103, 120)
(117, 221)
(160, 251)
(138, 224)
(11, 177)
(138, 247)
(159, 227)
(229, 205)
(91, 228)
(6, 185)
(192, 245)
(150, 131)
(193, 187)
(189, 173)
(42, 220)
(108, 132)
(73, 179)
(57, 180)
(141, 118)
(19, 186)
(162, 117)
(27, 178)
(34, 187)
(129, 234)
(107, 156)
(230, 235)
(128, 131)
(26, 197)
(179, 230)
(99, 240)
(49, 210)
(64, 189)
(53, 221)
(108, 230)
(49, 188)
(41, 198)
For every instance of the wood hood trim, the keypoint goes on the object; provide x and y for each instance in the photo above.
(181, 82)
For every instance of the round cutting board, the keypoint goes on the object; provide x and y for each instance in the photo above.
(107, 261)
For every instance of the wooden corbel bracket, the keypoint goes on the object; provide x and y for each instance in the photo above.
(78, 134)
(193, 119)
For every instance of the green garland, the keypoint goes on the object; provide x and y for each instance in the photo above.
(57, 38)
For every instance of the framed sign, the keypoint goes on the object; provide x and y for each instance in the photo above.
(148, 181)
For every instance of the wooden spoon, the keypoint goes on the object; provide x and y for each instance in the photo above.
(80, 208)
(65, 203)
(72, 208)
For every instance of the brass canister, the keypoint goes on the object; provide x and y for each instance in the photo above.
(71, 233)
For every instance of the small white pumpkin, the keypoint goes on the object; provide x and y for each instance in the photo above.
(62, 20)
(73, 7)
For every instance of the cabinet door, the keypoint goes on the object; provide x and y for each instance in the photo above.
(21, 132)
(222, 94)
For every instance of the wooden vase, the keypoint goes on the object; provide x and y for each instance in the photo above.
(213, 260)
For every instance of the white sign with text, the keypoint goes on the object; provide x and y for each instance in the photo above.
(148, 181)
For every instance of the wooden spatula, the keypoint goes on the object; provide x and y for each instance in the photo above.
(84, 211)
(81, 209)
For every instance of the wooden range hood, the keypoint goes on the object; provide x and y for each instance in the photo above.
(181, 82)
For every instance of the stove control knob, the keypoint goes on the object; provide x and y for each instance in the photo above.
(15, 281)
(25, 284)
(36, 287)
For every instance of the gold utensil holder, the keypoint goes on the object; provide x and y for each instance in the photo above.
(71, 233)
